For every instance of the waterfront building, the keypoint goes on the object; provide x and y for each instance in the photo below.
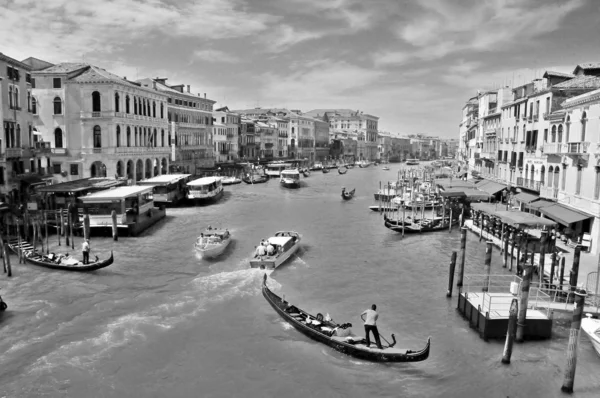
(283, 133)
(249, 149)
(384, 145)
(321, 140)
(489, 127)
(20, 164)
(190, 126)
(226, 133)
(97, 124)
(347, 123)
(467, 132)
(269, 135)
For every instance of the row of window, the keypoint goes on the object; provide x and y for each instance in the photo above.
(14, 74)
(191, 104)
(142, 136)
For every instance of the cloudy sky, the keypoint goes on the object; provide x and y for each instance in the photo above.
(412, 63)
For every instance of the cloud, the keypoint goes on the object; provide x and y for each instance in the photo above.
(90, 26)
(211, 55)
(285, 36)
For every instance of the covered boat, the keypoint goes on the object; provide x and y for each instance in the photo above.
(347, 195)
(230, 181)
(290, 178)
(255, 178)
(285, 244)
(325, 170)
(59, 262)
(325, 331)
(591, 327)
(418, 225)
(212, 242)
(206, 189)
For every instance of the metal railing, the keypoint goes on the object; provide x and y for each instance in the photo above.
(527, 183)
(549, 192)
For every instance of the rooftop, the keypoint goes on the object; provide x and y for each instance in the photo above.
(65, 67)
(558, 74)
(579, 82)
(164, 179)
(82, 185)
(95, 74)
(117, 193)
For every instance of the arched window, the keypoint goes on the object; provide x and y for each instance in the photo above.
(550, 176)
(560, 131)
(33, 105)
(554, 133)
(162, 111)
(17, 102)
(118, 136)
(58, 138)
(135, 106)
(96, 105)
(117, 104)
(57, 106)
(97, 137)
(583, 124)
(29, 101)
(155, 138)
(135, 136)
(127, 110)
(128, 136)
(162, 137)
(10, 97)
(144, 107)
(153, 109)
(543, 175)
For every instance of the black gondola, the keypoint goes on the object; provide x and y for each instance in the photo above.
(323, 332)
(418, 226)
(343, 170)
(347, 195)
(3, 305)
(306, 173)
(325, 170)
(41, 260)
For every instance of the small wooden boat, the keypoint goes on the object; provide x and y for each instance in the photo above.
(306, 173)
(383, 208)
(347, 195)
(285, 243)
(212, 242)
(290, 179)
(325, 331)
(342, 170)
(591, 327)
(325, 170)
(418, 225)
(59, 262)
(412, 162)
(255, 178)
(231, 181)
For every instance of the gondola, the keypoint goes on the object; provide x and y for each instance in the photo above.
(347, 195)
(323, 331)
(418, 226)
(325, 170)
(45, 261)
(343, 170)
(306, 173)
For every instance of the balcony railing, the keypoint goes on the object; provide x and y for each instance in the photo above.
(59, 151)
(530, 184)
(570, 148)
(578, 147)
(142, 149)
(549, 192)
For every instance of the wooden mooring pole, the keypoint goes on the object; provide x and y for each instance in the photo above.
(543, 244)
(567, 386)
(562, 272)
(46, 231)
(512, 330)
(574, 270)
(451, 274)
(7, 258)
(463, 255)
(488, 265)
(505, 236)
(525, 284)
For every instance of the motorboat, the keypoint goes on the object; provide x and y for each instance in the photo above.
(591, 327)
(342, 170)
(363, 164)
(317, 167)
(285, 244)
(385, 168)
(290, 178)
(340, 336)
(412, 162)
(212, 242)
(255, 178)
(231, 181)
(206, 189)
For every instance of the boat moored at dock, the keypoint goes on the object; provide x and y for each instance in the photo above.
(168, 189)
(290, 179)
(274, 169)
(412, 162)
(205, 189)
(285, 244)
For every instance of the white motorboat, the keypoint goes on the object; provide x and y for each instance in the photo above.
(412, 162)
(290, 178)
(591, 327)
(206, 189)
(285, 244)
(212, 242)
(231, 180)
(385, 168)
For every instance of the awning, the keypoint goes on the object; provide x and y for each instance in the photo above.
(526, 197)
(491, 187)
(563, 214)
(540, 203)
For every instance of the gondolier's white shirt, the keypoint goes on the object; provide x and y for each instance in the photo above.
(371, 318)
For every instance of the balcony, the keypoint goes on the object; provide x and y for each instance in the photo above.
(572, 148)
(549, 192)
(42, 147)
(14, 153)
(529, 184)
(578, 148)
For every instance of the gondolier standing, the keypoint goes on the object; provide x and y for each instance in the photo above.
(85, 249)
(370, 319)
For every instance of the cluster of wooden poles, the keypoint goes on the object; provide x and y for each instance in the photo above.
(31, 225)
(518, 307)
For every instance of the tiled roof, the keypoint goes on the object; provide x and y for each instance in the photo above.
(589, 65)
(580, 82)
(65, 67)
(558, 74)
(95, 74)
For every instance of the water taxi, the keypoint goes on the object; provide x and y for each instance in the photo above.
(212, 242)
(290, 178)
(274, 169)
(231, 181)
(206, 189)
(133, 205)
(285, 244)
(317, 167)
(168, 188)
(412, 162)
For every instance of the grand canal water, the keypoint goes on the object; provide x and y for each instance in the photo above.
(162, 323)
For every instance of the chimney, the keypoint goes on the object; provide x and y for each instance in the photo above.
(204, 95)
(188, 88)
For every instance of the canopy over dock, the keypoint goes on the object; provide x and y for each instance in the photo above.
(513, 218)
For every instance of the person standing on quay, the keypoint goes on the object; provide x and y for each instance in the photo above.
(85, 249)
(370, 319)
